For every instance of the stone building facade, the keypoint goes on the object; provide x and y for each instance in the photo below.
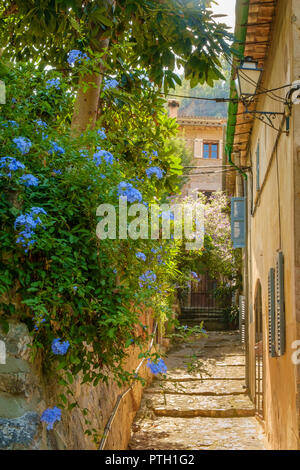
(204, 136)
(269, 157)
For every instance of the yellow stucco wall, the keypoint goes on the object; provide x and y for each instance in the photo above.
(273, 225)
(203, 182)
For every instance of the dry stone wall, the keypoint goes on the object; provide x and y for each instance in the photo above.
(26, 391)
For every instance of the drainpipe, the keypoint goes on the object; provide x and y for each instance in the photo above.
(229, 155)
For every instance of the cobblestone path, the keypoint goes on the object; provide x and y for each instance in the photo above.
(202, 404)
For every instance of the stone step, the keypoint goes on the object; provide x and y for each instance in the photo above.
(205, 406)
(201, 310)
(203, 387)
(209, 370)
(198, 434)
(200, 315)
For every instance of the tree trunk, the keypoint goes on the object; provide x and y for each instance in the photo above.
(86, 104)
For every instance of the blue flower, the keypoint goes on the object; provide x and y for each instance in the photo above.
(76, 55)
(39, 320)
(57, 172)
(29, 180)
(50, 416)
(155, 154)
(75, 288)
(112, 83)
(157, 367)
(11, 164)
(37, 210)
(84, 153)
(59, 348)
(127, 190)
(141, 256)
(102, 134)
(41, 123)
(53, 82)
(29, 222)
(10, 123)
(159, 259)
(23, 144)
(148, 278)
(108, 157)
(56, 148)
(167, 215)
(154, 171)
(194, 275)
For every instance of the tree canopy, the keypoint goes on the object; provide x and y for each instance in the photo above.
(164, 35)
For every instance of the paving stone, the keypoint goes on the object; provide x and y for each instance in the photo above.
(166, 433)
(211, 406)
(204, 404)
(209, 370)
(199, 387)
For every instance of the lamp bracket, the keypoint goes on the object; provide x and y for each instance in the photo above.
(267, 117)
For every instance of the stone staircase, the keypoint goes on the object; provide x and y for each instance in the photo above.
(213, 318)
(202, 402)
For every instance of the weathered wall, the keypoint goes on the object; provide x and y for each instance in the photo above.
(272, 227)
(26, 391)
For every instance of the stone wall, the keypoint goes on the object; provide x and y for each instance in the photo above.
(26, 391)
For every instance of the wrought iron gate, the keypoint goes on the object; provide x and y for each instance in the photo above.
(203, 292)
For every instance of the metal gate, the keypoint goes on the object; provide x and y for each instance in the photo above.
(203, 292)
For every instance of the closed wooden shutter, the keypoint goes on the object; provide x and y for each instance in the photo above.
(280, 307)
(242, 318)
(198, 148)
(271, 312)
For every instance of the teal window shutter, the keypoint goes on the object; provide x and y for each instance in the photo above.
(238, 222)
(271, 312)
(280, 307)
(257, 168)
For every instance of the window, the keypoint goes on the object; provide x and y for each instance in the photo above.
(211, 150)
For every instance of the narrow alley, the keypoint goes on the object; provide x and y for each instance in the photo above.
(202, 404)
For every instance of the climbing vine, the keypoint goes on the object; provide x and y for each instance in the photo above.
(77, 294)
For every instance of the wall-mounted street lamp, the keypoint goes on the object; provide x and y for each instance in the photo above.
(247, 83)
(248, 78)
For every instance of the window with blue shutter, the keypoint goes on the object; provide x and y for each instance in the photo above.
(238, 222)
(257, 168)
